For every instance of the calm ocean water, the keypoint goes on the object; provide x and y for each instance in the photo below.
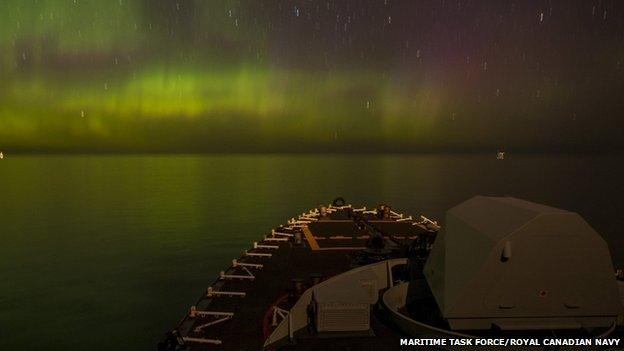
(108, 252)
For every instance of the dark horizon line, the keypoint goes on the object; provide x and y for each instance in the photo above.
(310, 152)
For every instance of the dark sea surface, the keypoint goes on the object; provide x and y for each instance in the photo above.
(109, 252)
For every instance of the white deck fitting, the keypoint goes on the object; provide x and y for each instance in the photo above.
(370, 212)
(339, 207)
(294, 222)
(427, 220)
(268, 247)
(291, 220)
(429, 223)
(268, 238)
(206, 325)
(309, 215)
(359, 209)
(274, 233)
(210, 293)
(396, 214)
(235, 263)
(340, 237)
(257, 254)
(248, 276)
(202, 340)
(405, 219)
(293, 226)
(278, 312)
(195, 313)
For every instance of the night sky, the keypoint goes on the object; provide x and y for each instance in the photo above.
(311, 76)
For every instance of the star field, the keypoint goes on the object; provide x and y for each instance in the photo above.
(346, 76)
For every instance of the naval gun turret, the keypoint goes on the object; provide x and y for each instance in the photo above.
(509, 264)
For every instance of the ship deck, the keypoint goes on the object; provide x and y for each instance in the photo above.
(263, 277)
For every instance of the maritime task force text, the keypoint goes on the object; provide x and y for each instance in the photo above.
(510, 342)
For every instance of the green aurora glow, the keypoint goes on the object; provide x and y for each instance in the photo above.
(128, 76)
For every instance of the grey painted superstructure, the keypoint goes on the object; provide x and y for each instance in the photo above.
(516, 265)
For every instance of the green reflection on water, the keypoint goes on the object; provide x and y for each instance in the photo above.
(109, 251)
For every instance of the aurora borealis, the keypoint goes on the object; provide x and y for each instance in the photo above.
(301, 76)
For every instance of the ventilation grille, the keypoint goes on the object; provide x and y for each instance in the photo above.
(344, 317)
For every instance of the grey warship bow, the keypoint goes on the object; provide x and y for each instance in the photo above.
(345, 278)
